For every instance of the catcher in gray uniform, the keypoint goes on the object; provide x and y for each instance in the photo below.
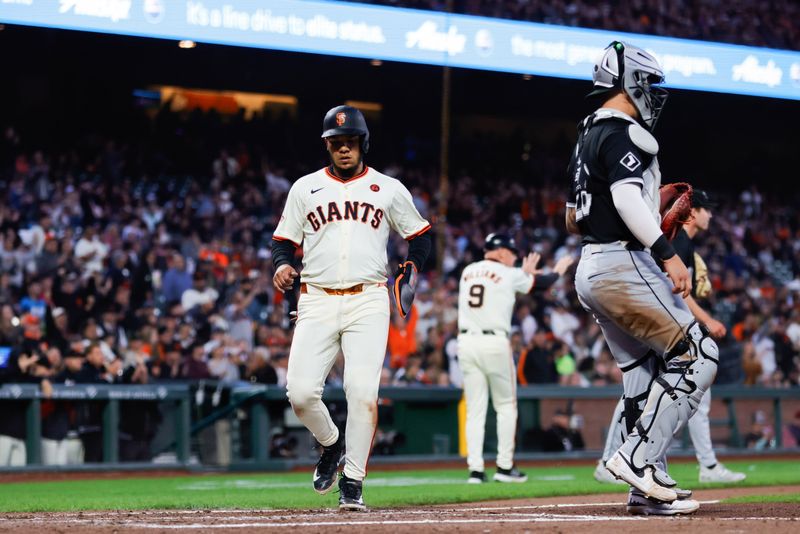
(668, 359)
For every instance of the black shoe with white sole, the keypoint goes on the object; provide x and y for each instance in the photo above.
(327, 469)
(350, 494)
(510, 475)
(476, 477)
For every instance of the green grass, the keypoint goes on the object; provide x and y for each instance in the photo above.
(787, 497)
(293, 490)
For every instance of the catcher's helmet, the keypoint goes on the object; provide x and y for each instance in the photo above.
(631, 69)
(495, 241)
(346, 120)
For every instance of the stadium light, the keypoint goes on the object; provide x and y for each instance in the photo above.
(186, 44)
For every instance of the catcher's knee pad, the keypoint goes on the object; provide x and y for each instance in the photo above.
(704, 357)
(674, 398)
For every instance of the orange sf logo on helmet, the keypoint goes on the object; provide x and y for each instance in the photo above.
(341, 117)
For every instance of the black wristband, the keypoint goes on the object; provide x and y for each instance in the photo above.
(544, 281)
(418, 250)
(662, 248)
(282, 253)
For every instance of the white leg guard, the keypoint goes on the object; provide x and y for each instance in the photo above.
(674, 397)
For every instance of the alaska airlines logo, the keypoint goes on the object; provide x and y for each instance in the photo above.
(751, 71)
(353, 211)
(115, 10)
(428, 37)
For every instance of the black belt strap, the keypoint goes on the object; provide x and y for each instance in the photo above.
(485, 332)
(638, 362)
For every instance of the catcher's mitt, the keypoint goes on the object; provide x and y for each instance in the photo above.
(676, 207)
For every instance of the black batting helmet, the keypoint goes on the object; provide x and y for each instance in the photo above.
(346, 120)
(495, 241)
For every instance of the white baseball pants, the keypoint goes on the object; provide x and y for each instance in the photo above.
(488, 368)
(359, 326)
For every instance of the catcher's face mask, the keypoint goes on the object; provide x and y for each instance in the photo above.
(637, 73)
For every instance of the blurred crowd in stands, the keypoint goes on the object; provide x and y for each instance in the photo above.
(118, 267)
(745, 22)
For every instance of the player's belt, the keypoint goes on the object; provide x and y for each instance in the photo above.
(615, 246)
(353, 290)
(483, 332)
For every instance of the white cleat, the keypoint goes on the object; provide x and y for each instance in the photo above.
(720, 473)
(644, 482)
(641, 505)
(604, 476)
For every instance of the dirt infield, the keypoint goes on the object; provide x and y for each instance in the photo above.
(599, 513)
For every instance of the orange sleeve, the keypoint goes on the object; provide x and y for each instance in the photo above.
(521, 369)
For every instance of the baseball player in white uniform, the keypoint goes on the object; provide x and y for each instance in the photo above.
(486, 295)
(341, 216)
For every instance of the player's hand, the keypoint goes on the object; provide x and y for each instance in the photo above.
(530, 262)
(563, 264)
(284, 278)
(716, 328)
(679, 274)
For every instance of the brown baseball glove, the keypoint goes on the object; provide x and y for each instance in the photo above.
(676, 207)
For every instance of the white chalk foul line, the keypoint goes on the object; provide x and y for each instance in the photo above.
(560, 505)
(543, 518)
(285, 514)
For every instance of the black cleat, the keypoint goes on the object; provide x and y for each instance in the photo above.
(327, 469)
(510, 475)
(350, 495)
(476, 477)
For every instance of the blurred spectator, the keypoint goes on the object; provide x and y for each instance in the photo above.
(176, 280)
(95, 370)
(566, 367)
(139, 421)
(10, 330)
(220, 366)
(527, 323)
(90, 251)
(564, 434)
(537, 362)
(33, 303)
(58, 432)
(258, 369)
(564, 323)
(200, 294)
(760, 436)
(195, 367)
(411, 374)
